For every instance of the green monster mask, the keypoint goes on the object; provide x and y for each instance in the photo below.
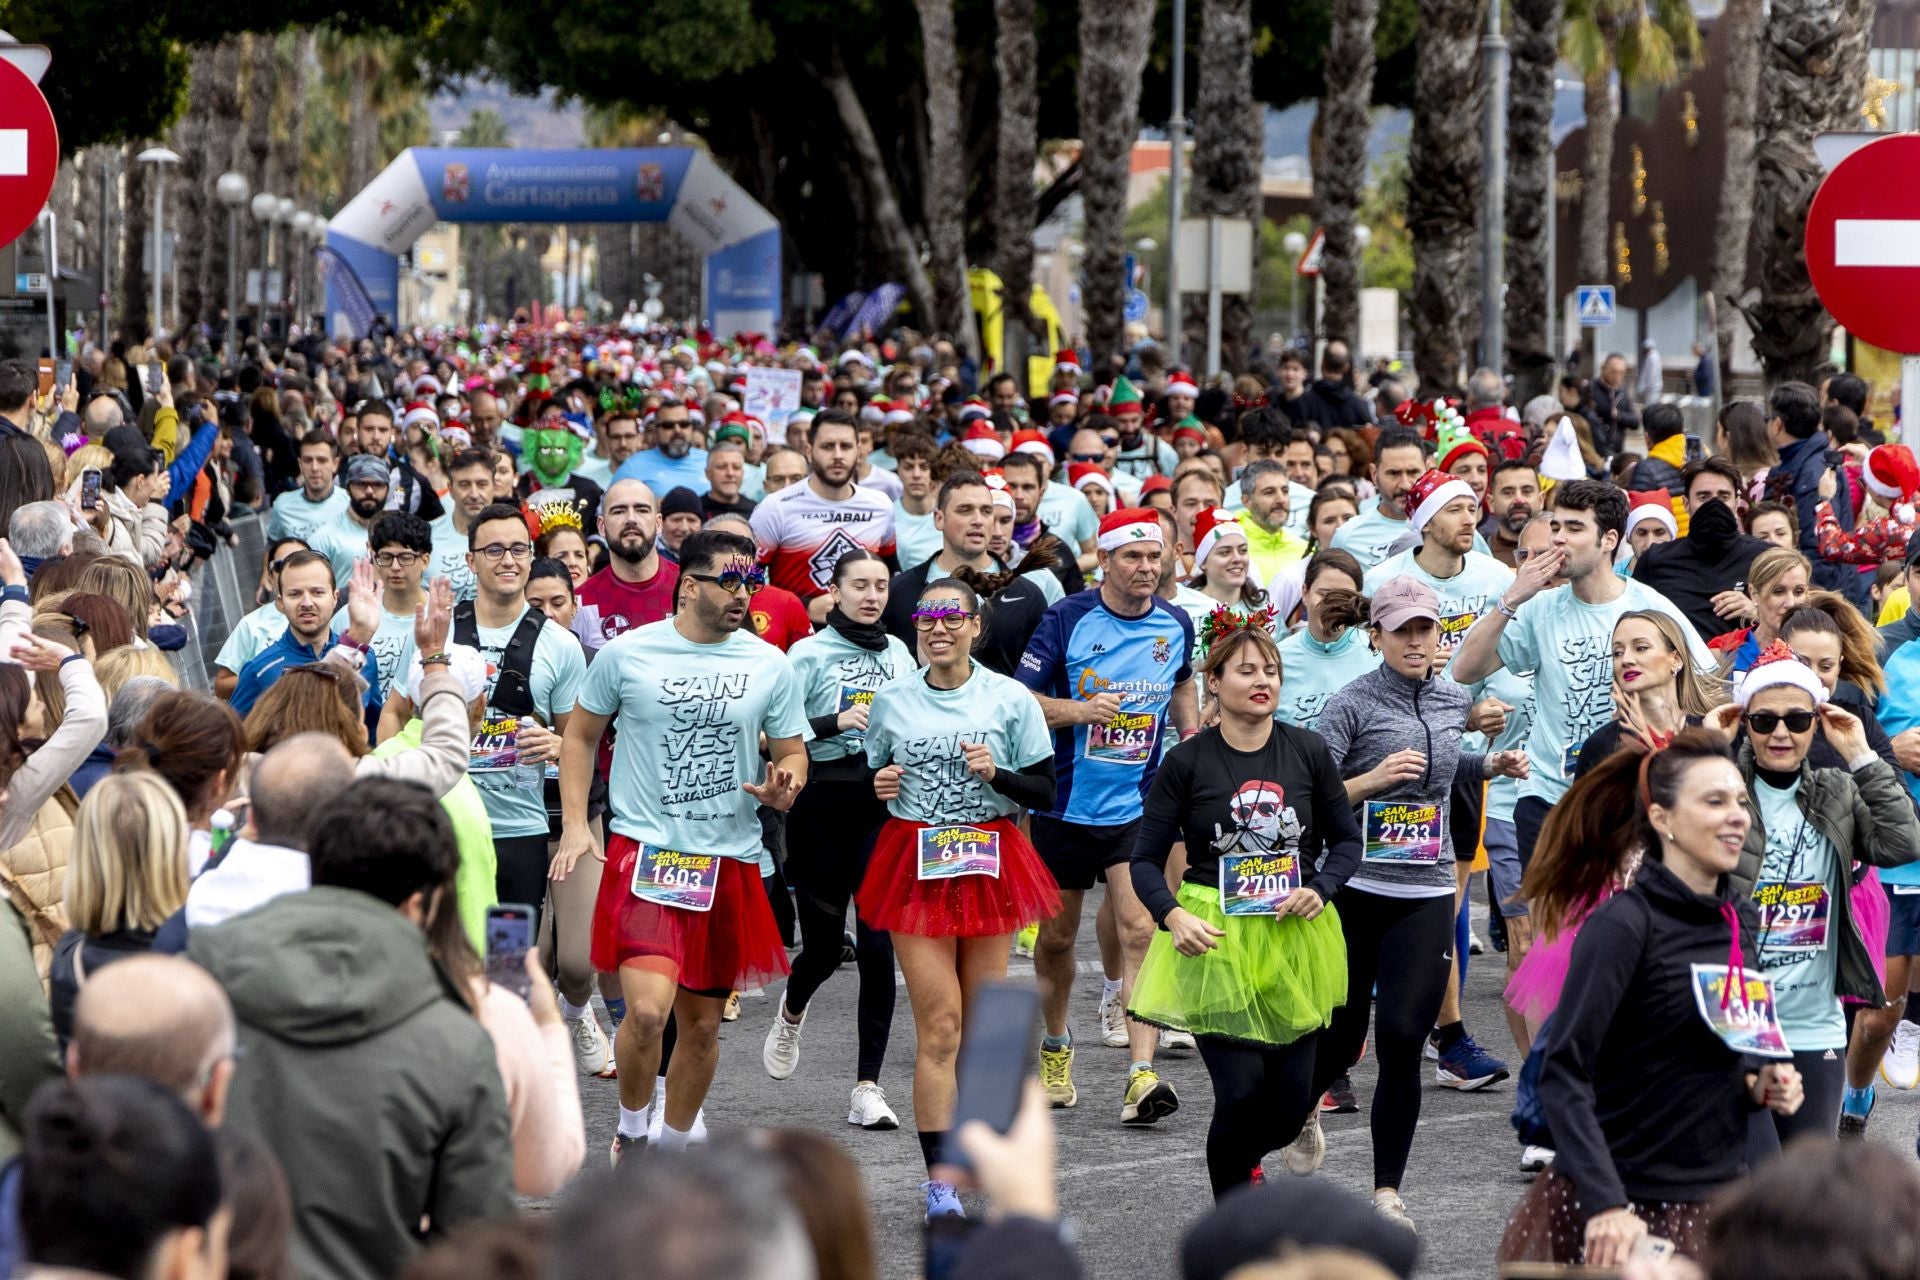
(555, 452)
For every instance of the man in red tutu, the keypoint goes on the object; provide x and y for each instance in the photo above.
(681, 915)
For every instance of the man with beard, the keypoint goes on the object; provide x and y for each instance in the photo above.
(1267, 519)
(637, 585)
(1026, 477)
(675, 461)
(1701, 572)
(1139, 454)
(804, 529)
(470, 482)
(344, 540)
(306, 598)
(318, 500)
(1513, 498)
(1398, 460)
(681, 915)
(407, 489)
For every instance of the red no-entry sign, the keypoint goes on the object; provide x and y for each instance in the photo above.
(1863, 243)
(29, 152)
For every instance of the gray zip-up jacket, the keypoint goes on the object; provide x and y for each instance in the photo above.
(1382, 712)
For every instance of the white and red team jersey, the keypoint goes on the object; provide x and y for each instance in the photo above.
(802, 535)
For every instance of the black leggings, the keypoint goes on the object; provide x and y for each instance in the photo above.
(1399, 950)
(1262, 1095)
(1824, 1080)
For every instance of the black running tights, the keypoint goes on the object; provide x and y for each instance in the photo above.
(1261, 1097)
(1400, 957)
(823, 934)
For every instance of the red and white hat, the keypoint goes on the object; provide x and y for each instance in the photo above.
(1778, 665)
(1066, 360)
(998, 483)
(1891, 473)
(1209, 527)
(1182, 384)
(1651, 504)
(420, 414)
(974, 407)
(457, 436)
(898, 411)
(1066, 395)
(1035, 443)
(1432, 491)
(1130, 525)
(981, 441)
(1081, 475)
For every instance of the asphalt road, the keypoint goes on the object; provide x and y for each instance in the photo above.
(1132, 1192)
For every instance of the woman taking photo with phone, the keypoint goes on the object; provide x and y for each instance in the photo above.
(831, 826)
(1248, 959)
(1664, 1042)
(958, 751)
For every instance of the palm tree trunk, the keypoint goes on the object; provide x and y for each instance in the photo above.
(1443, 187)
(1733, 234)
(1342, 173)
(217, 146)
(1815, 75)
(194, 208)
(1114, 36)
(945, 203)
(1530, 195)
(363, 124)
(887, 226)
(136, 219)
(1017, 147)
(256, 145)
(1596, 187)
(1226, 163)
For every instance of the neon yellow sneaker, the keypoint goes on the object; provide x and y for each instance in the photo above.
(1148, 1099)
(1023, 941)
(1056, 1076)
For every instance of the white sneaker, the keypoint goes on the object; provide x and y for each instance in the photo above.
(781, 1053)
(1901, 1067)
(1177, 1044)
(1390, 1206)
(1476, 945)
(1308, 1151)
(658, 1122)
(870, 1109)
(591, 1052)
(1113, 1022)
(1535, 1159)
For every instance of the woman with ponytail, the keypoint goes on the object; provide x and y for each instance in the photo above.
(1331, 650)
(1664, 1041)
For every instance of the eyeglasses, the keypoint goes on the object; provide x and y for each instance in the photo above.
(951, 619)
(1086, 457)
(1765, 722)
(405, 559)
(1112, 442)
(732, 580)
(518, 550)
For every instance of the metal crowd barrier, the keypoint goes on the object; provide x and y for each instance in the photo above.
(222, 594)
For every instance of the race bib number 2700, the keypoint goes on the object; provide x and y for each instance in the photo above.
(1255, 884)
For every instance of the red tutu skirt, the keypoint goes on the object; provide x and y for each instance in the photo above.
(735, 946)
(894, 897)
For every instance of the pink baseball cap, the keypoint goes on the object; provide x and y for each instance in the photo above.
(1403, 600)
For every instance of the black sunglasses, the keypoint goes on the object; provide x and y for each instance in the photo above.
(1765, 722)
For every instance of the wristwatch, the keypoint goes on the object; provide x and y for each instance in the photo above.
(443, 658)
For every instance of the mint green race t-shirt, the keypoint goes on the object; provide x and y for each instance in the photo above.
(836, 673)
(921, 727)
(1312, 672)
(559, 665)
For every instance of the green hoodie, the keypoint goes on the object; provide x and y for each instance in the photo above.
(373, 1084)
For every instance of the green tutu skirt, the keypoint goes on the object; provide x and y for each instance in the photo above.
(1269, 981)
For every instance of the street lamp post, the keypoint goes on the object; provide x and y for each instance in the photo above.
(263, 206)
(159, 158)
(1176, 146)
(304, 226)
(232, 190)
(1295, 244)
(1493, 209)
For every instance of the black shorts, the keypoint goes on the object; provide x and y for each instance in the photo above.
(1465, 804)
(1078, 855)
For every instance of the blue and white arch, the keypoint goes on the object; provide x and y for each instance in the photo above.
(680, 186)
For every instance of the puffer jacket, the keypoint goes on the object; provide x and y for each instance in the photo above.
(1866, 815)
(33, 874)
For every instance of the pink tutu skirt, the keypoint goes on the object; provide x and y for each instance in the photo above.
(1534, 990)
(1872, 916)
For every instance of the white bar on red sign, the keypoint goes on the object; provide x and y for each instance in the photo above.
(13, 153)
(1876, 242)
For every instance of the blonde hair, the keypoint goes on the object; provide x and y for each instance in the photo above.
(1774, 564)
(116, 667)
(96, 456)
(1694, 692)
(128, 867)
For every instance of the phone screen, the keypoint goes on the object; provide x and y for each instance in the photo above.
(46, 375)
(62, 376)
(510, 933)
(996, 1056)
(90, 489)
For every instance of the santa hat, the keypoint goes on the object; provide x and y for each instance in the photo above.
(1562, 459)
(1124, 397)
(875, 410)
(426, 385)
(457, 436)
(1431, 492)
(1068, 396)
(896, 413)
(981, 440)
(1130, 524)
(1208, 528)
(1190, 426)
(1066, 360)
(1777, 665)
(420, 414)
(973, 407)
(1456, 442)
(1155, 484)
(1035, 443)
(998, 484)
(1182, 384)
(1651, 504)
(1891, 473)
(1083, 474)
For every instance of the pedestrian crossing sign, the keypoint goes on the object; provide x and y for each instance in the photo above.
(1595, 303)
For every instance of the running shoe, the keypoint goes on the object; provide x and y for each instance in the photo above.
(730, 1011)
(1431, 1049)
(942, 1200)
(1535, 1159)
(849, 949)
(695, 1135)
(1339, 1099)
(591, 1052)
(1113, 1022)
(1468, 1067)
(1023, 941)
(1308, 1151)
(781, 1053)
(622, 1144)
(1389, 1205)
(870, 1109)
(1056, 1076)
(1853, 1125)
(1177, 1044)
(1476, 945)
(1149, 1098)
(1901, 1067)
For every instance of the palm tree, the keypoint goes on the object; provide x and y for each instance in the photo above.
(1535, 48)
(1341, 175)
(1813, 81)
(194, 207)
(1733, 231)
(256, 140)
(1227, 146)
(1443, 187)
(218, 145)
(1016, 149)
(136, 220)
(1114, 35)
(945, 197)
